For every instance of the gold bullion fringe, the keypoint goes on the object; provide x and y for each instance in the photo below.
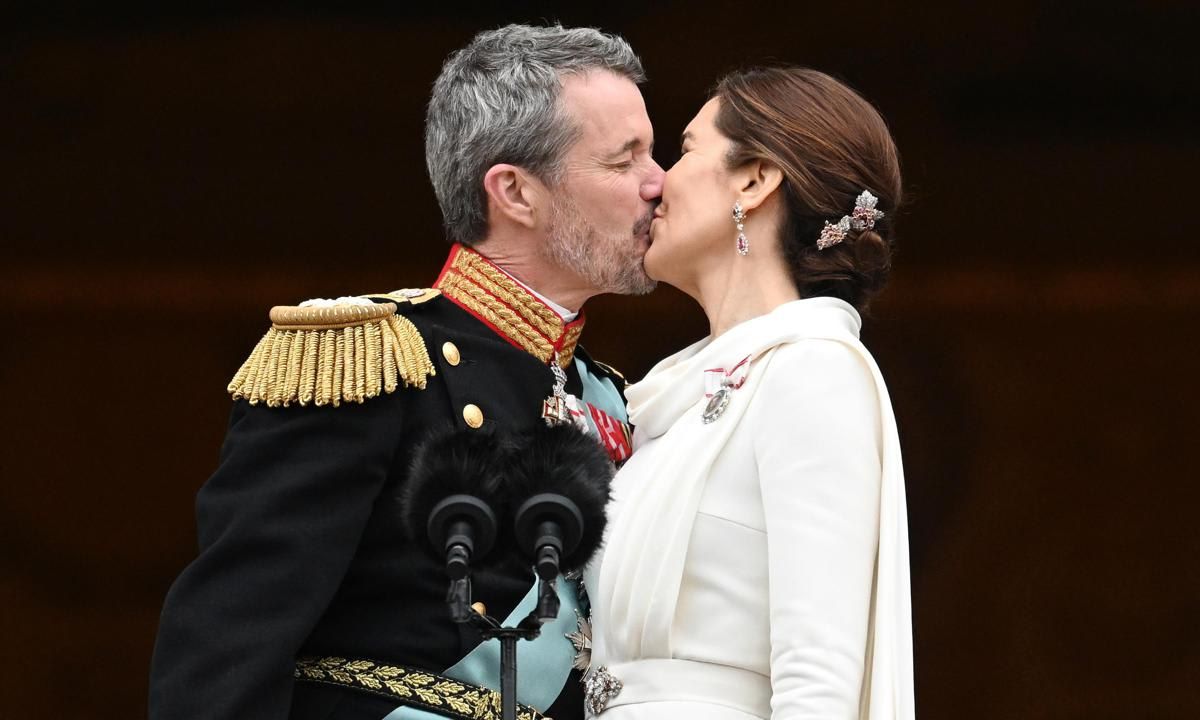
(300, 361)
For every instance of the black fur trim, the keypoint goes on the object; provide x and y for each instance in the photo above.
(562, 459)
(451, 461)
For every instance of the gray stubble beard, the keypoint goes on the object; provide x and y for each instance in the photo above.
(608, 263)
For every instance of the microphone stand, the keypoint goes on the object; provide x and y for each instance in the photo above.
(528, 629)
(549, 525)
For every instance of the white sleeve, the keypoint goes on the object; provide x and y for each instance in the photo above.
(816, 424)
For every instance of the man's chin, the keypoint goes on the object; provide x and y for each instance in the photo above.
(635, 281)
(644, 241)
(648, 286)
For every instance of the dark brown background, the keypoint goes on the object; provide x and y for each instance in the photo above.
(170, 174)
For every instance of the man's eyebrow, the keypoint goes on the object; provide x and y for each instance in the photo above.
(630, 145)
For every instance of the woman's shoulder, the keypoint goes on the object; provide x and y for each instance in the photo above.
(818, 373)
(819, 358)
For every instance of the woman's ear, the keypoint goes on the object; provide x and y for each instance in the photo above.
(757, 180)
(513, 194)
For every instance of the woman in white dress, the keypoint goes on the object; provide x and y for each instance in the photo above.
(756, 561)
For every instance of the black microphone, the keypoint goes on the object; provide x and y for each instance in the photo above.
(463, 526)
(451, 502)
(548, 526)
(560, 487)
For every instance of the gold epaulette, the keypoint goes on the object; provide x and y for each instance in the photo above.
(333, 354)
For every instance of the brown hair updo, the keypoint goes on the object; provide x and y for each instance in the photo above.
(831, 144)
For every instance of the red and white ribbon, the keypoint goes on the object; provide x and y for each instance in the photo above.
(717, 378)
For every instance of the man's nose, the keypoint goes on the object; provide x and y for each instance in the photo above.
(653, 184)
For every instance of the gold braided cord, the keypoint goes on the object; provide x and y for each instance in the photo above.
(355, 368)
(374, 356)
(308, 369)
(329, 366)
(406, 347)
(567, 354)
(350, 390)
(281, 368)
(295, 358)
(482, 288)
(281, 373)
(525, 299)
(257, 377)
(516, 297)
(270, 374)
(328, 352)
(363, 382)
(389, 360)
(339, 367)
(499, 315)
(333, 316)
(480, 302)
(266, 374)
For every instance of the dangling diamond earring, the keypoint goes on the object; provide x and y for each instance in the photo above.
(739, 218)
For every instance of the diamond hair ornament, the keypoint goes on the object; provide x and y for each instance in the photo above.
(833, 234)
(862, 218)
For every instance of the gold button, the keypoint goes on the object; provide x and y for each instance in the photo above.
(473, 415)
(450, 352)
(479, 608)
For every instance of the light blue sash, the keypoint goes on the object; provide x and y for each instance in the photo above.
(543, 664)
(601, 392)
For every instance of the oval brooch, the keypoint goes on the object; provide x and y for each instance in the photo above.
(716, 404)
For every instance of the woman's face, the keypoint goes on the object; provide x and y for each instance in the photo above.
(694, 222)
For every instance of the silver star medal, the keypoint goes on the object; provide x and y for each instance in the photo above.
(581, 639)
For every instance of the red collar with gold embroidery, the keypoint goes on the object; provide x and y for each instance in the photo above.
(478, 286)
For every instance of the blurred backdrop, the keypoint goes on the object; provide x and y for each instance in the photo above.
(171, 172)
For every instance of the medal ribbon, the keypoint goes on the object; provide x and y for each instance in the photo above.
(733, 378)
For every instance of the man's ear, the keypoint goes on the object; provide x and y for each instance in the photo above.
(513, 193)
(757, 181)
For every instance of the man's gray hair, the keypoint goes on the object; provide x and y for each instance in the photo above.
(496, 101)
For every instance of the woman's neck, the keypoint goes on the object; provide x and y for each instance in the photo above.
(732, 291)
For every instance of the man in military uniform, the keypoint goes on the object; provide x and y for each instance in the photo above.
(307, 600)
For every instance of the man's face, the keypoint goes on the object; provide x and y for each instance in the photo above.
(600, 223)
